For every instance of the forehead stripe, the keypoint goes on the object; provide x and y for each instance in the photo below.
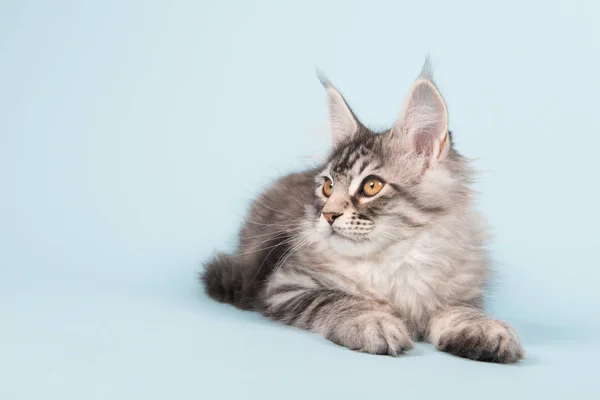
(348, 158)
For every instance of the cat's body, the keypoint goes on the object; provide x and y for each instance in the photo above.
(395, 252)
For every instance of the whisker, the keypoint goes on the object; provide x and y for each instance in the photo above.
(304, 238)
(272, 209)
(254, 250)
(293, 250)
(283, 224)
(282, 231)
(269, 253)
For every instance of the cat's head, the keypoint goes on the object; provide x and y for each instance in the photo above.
(380, 188)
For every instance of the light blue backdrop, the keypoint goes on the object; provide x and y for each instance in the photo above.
(134, 134)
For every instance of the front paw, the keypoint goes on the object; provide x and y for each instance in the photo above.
(375, 333)
(484, 340)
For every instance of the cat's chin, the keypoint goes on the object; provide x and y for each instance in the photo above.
(349, 247)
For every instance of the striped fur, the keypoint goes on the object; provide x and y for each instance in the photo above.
(406, 264)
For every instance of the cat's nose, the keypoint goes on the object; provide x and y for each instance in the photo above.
(331, 216)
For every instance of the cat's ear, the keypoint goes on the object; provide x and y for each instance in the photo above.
(342, 120)
(423, 123)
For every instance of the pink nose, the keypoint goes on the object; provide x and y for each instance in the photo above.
(331, 216)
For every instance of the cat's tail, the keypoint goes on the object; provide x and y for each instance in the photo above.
(225, 279)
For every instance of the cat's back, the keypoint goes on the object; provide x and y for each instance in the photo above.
(276, 214)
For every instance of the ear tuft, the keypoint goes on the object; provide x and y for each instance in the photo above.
(423, 124)
(341, 118)
(323, 79)
(427, 69)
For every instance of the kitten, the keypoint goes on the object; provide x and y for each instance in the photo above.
(377, 247)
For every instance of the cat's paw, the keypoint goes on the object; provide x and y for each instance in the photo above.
(483, 340)
(375, 333)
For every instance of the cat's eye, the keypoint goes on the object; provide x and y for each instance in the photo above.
(371, 186)
(327, 187)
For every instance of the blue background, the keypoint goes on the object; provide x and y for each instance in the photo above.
(134, 134)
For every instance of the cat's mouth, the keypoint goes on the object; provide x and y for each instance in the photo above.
(350, 237)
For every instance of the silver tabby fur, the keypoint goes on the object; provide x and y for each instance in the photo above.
(407, 264)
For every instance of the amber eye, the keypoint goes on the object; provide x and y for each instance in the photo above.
(372, 186)
(327, 188)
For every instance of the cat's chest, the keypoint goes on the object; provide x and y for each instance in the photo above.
(412, 287)
(387, 278)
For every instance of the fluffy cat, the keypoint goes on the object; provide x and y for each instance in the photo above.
(376, 248)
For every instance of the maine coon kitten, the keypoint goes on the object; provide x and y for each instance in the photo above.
(377, 247)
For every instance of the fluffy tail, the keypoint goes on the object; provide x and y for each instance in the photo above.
(227, 280)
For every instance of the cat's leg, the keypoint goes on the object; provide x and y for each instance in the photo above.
(348, 320)
(467, 332)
